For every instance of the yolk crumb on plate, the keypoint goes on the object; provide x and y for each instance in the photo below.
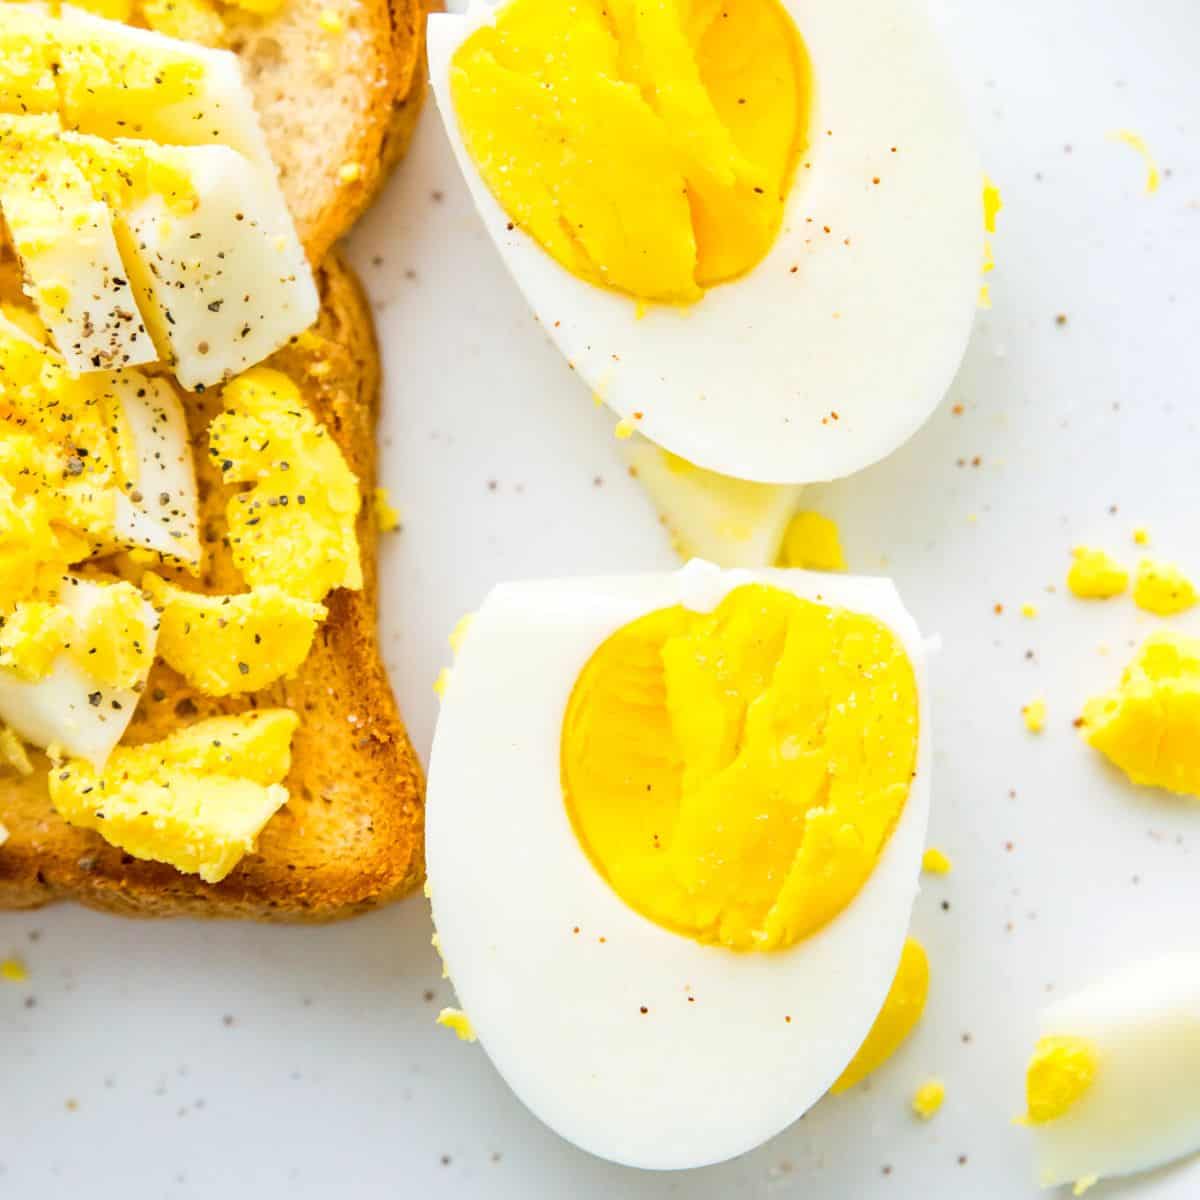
(1095, 574)
(1034, 715)
(935, 862)
(457, 1020)
(1162, 588)
(1059, 1074)
(928, 1098)
(12, 970)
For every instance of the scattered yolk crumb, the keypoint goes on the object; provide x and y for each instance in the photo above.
(442, 682)
(456, 1019)
(387, 517)
(813, 544)
(1162, 588)
(935, 862)
(992, 204)
(1149, 726)
(625, 429)
(1059, 1074)
(1029, 610)
(928, 1098)
(1034, 715)
(1095, 574)
(1141, 536)
(648, 148)
(735, 775)
(1136, 142)
(12, 970)
(902, 1009)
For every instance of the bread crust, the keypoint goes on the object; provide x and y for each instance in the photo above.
(351, 836)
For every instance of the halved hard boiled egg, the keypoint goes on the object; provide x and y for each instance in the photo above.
(754, 227)
(674, 833)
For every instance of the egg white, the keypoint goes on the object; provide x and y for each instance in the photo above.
(745, 381)
(689, 1082)
(1143, 1107)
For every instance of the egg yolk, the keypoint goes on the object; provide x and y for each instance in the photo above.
(647, 145)
(1095, 574)
(902, 1009)
(1162, 588)
(1059, 1074)
(1149, 726)
(812, 543)
(735, 775)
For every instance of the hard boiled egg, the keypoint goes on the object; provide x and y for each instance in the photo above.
(674, 833)
(754, 228)
(1113, 1086)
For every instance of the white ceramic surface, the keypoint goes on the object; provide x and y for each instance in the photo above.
(183, 1060)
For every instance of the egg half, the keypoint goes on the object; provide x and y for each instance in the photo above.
(671, 919)
(1113, 1086)
(754, 228)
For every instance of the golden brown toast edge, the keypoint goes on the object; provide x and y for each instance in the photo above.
(351, 836)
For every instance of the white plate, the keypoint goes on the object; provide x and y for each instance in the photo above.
(332, 1079)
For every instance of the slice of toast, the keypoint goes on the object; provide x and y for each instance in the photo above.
(350, 836)
(338, 86)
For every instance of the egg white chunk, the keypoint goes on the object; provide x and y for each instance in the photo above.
(67, 708)
(158, 508)
(1143, 1107)
(227, 283)
(220, 108)
(730, 522)
(559, 1013)
(871, 324)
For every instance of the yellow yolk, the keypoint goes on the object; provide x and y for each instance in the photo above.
(734, 775)
(902, 1009)
(1137, 142)
(32, 636)
(648, 145)
(812, 543)
(112, 644)
(197, 800)
(935, 862)
(188, 20)
(1149, 726)
(928, 1098)
(12, 970)
(1095, 574)
(387, 516)
(226, 645)
(295, 526)
(1059, 1074)
(1162, 588)
(1034, 716)
(457, 1020)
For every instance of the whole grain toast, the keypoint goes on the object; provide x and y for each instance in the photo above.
(351, 834)
(338, 105)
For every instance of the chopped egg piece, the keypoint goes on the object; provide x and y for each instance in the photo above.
(935, 862)
(1113, 1086)
(12, 970)
(295, 525)
(1095, 574)
(459, 1022)
(1162, 588)
(197, 800)
(730, 522)
(1141, 536)
(228, 645)
(1138, 143)
(1034, 715)
(1149, 725)
(902, 1009)
(812, 542)
(1029, 611)
(928, 1098)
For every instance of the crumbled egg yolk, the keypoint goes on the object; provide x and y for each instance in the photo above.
(812, 543)
(459, 633)
(1137, 142)
(1058, 1076)
(32, 636)
(387, 517)
(457, 1020)
(928, 1098)
(12, 970)
(1149, 725)
(226, 645)
(197, 21)
(1034, 715)
(1095, 574)
(902, 1009)
(294, 527)
(935, 862)
(649, 147)
(735, 775)
(1141, 536)
(197, 800)
(992, 204)
(1162, 588)
(13, 756)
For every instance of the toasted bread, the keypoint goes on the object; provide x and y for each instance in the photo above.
(339, 106)
(350, 836)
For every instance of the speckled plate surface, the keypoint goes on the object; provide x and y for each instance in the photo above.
(182, 1060)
